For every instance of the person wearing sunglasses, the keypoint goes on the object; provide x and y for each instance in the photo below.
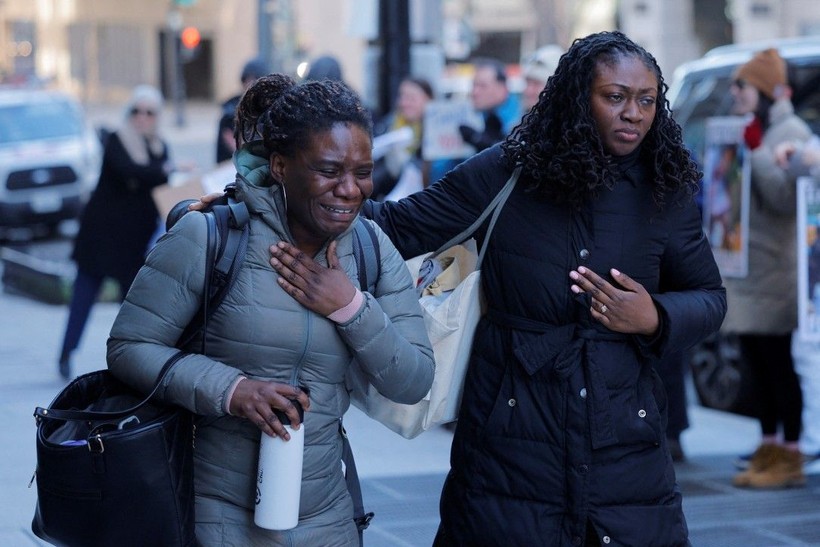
(120, 218)
(763, 305)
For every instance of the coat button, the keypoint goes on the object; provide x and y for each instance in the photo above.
(584, 254)
(606, 540)
(512, 402)
(642, 413)
(583, 468)
(576, 540)
(583, 393)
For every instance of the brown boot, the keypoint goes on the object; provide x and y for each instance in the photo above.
(785, 470)
(762, 458)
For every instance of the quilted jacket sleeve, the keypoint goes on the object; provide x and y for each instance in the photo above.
(692, 300)
(388, 337)
(422, 222)
(161, 302)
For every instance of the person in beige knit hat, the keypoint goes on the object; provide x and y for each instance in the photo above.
(760, 90)
(766, 71)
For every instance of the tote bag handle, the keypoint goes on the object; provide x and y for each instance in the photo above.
(60, 414)
(494, 209)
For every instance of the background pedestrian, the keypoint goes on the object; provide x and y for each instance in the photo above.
(763, 304)
(120, 218)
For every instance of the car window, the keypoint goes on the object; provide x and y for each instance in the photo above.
(702, 96)
(39, 120)
(805, 76)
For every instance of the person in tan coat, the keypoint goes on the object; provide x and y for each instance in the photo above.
(762, 307)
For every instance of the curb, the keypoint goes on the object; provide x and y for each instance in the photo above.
(45, 280)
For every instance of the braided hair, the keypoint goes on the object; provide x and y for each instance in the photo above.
(285, 115)
(559, 147)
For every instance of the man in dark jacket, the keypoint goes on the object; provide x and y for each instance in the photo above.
(225, 146)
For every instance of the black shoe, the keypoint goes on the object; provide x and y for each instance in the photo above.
(65, 368)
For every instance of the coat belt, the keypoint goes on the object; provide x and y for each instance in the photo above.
(565, 349)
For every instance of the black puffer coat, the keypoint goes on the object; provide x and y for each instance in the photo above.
(562, 421)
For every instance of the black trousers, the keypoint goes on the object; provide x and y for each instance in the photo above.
(777, 388)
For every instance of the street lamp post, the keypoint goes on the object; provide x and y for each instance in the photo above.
(173, 65)
(394, 38)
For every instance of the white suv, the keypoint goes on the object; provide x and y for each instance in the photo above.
(699, 90)
(49, 158)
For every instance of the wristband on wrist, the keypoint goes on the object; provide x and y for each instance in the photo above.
(230, 393)
(346, 313)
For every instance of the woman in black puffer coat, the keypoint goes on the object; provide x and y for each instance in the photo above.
(597, 271)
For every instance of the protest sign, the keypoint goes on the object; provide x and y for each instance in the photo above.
(726, 188)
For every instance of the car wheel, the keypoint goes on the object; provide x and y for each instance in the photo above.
(721, 376)
(52, 230)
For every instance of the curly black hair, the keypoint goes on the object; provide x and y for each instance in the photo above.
(559, 147)
(284, 114)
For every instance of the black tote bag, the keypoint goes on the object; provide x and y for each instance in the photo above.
(114, 467)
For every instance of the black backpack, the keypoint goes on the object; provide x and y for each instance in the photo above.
(228, 229)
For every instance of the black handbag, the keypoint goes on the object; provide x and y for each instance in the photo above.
(114, 467)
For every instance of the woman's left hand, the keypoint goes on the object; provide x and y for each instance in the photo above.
(323, 290)
(628, 309)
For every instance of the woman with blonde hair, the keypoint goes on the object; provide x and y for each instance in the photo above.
(120, 218)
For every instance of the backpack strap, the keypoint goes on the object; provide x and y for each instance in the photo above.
(231, 222)
(368, 255)
(228, 233)
(368, 262)
(354, 487)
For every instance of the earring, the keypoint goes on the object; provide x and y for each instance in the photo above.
(284, 194)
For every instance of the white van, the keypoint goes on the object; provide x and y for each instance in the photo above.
(49, 158)
(699, 90)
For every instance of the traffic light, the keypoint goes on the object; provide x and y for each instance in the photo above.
(189, 39)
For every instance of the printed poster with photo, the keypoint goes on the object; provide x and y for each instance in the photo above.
(441, 139)
(726, 188)
(808, 258)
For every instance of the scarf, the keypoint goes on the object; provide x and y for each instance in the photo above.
(139, 147)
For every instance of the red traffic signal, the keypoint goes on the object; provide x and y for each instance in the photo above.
(190, 37)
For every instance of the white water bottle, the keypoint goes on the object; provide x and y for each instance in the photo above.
(279, 479)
